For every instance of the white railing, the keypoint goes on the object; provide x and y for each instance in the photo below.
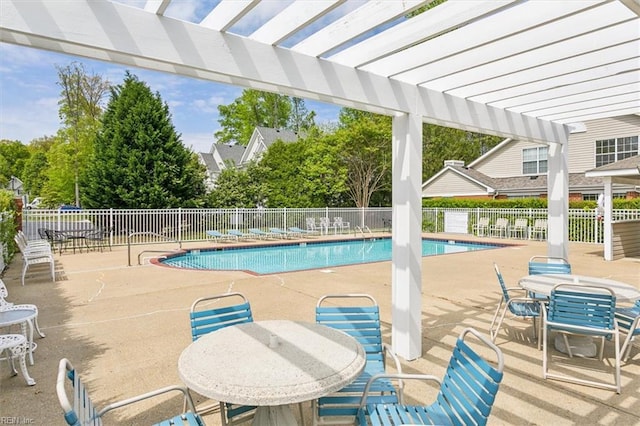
(183, 225)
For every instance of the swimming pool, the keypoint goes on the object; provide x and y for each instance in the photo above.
(306, 255)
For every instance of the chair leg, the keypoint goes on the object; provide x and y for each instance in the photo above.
(37, 327)
(493, 333)
(24, 271)
(20, 352)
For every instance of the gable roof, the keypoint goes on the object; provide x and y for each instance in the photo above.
(521, 184)
(229, 152)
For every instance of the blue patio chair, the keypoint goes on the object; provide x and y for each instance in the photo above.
(302, 232)
(282, 232)
(240, 234)
(628, 319)
(539, 265)
(361, 320)
(466, 396)
(520, 306)
(548, 265)
(584, 310)
(260, 233)
(228, 309)
(83, 412)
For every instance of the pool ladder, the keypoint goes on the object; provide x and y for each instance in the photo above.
(358, 229)
(133, 234)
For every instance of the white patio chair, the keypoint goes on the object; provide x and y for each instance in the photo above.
(340, 225)
(8, 306)
(34, 257)
(538, 230)
(500, 227)
(81, 410)
(519, 228)
(481, 228)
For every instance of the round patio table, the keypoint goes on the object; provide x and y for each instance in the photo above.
(271, 364)
(544, 283)
(24, 317)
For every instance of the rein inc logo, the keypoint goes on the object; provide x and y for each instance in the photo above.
(6, 420)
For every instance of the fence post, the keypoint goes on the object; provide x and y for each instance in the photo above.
(179, 224)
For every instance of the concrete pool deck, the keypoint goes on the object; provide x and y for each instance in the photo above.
(124, 327)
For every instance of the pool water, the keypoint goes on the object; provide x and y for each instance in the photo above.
(300, 256)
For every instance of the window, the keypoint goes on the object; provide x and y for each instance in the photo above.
(612, 150)
(534, 161)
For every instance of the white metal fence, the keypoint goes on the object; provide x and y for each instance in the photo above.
(144, 226)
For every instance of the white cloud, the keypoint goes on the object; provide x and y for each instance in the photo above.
(198, 142)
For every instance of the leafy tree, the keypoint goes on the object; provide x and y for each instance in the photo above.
(284, 175)
(366, 151)
(13, 155)
(80, 108)
(301, 119)
(35, 168)
(236, 188)
(138, 159)
(444, 143)
(255, 108)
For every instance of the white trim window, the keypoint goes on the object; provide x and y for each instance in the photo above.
(534, 160)
(615, 149)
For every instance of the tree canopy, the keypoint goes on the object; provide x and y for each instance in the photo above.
(138, 159)
(255, 108)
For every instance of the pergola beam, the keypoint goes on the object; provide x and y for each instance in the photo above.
(117, 33)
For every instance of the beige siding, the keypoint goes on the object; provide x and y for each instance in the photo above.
(626, 239)
(582, 146)
(451, 184)
(506, 162)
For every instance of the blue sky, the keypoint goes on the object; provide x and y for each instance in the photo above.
(29, 96)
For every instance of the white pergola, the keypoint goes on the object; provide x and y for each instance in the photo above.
(531, 70)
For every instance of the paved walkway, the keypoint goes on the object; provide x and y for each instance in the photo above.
(124, 328)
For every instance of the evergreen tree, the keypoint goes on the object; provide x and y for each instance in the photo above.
(139, 161)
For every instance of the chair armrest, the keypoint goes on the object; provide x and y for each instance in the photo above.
(148, 395)
(388, 351)
(400, 377)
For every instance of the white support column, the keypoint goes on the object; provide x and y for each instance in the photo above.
(406, 267)
(608, 216)
(558, 201)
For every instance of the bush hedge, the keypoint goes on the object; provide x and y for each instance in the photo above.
(520, 203)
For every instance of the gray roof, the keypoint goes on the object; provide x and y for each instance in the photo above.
(270, 135)
(536, 182)
(627, 163)
(230, 152)
(209, 161)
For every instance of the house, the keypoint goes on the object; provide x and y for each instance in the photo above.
(516, 169)
(16, 186)
(223, 156)
(219, 158)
